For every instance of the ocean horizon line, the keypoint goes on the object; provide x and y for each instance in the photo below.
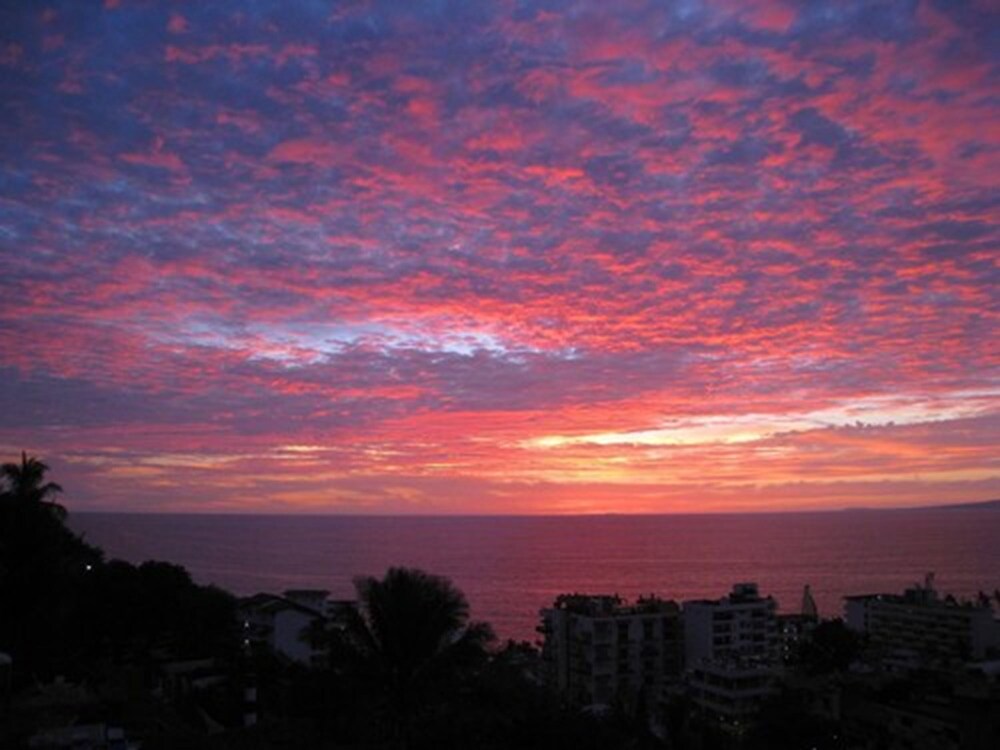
(285, 513)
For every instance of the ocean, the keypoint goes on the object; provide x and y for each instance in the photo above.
(511, 566)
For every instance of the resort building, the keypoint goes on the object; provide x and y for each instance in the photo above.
(737, 627)
(314, 599)
(732, 650)
(282, 622)
(919, 627)
(599, 650)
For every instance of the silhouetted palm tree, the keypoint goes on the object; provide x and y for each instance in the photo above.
(26, 484)
(411, 631)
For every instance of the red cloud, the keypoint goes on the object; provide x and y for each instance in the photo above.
(306, 151)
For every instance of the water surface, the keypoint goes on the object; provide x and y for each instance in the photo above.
(509, 567)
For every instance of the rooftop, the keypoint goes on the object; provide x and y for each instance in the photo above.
(924, 595)
(742, 593)
(604, 605)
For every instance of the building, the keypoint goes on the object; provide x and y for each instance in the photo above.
(737, 627)
(731, 655)
(282, 622)
(918, 627)
(934, 710)
(315, 599)
(795, 628)
(730, 694)
(599, 650)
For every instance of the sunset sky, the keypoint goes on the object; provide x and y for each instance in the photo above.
(493, 257)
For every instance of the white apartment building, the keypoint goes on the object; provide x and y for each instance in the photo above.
(282, 622)
(920, 627)
(737, 627)
(731, 654)
(599, 650)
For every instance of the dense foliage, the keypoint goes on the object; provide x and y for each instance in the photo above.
(66, 611)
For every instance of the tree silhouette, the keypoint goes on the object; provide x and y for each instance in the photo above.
(26, 484)
(44, 573)
(411, 635)
(64, 611)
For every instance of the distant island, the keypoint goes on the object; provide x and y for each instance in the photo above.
(984, 505)
(980, 505)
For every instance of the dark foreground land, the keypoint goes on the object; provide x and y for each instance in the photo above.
(98, 653)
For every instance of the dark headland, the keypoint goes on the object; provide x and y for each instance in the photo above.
(980, 505)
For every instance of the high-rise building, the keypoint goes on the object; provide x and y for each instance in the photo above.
(599, 650)
(737, 627)
(919, 627)
(731, 650)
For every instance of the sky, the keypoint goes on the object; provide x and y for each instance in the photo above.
(502, 257)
